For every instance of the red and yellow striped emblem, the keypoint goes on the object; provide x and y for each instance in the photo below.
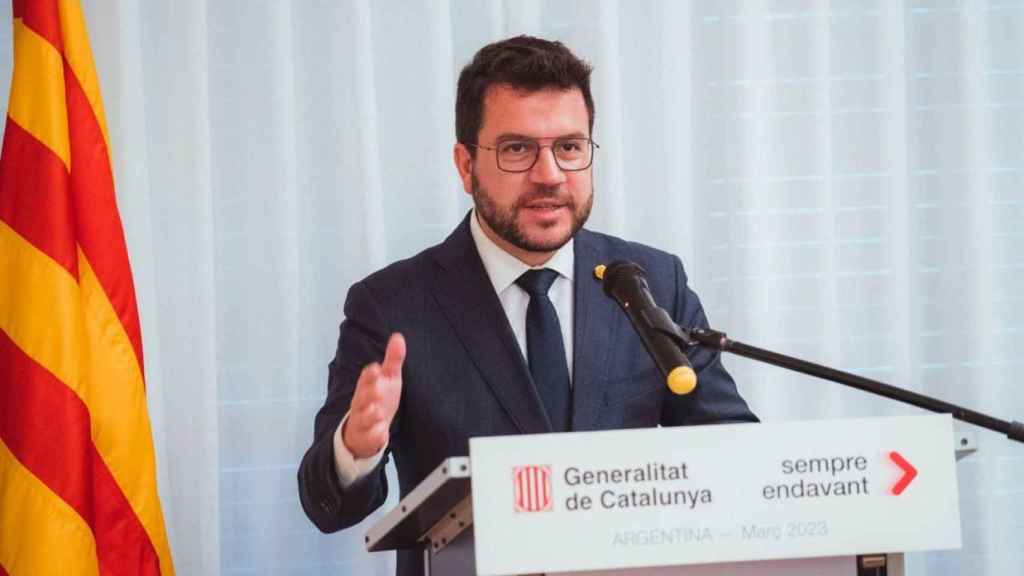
(77, 469)
(532, 488)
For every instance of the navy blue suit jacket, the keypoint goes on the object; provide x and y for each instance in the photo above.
(465, 376)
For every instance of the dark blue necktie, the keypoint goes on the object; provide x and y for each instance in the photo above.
(545, 349)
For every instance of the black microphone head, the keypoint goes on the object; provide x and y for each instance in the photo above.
(622, 275)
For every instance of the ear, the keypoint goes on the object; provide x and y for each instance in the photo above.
(464, 164)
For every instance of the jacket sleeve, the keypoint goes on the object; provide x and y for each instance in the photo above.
(715, 399)
(362, 339)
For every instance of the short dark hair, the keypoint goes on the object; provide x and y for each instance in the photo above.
(524, 63)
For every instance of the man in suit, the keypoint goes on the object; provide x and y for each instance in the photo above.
(503, 327)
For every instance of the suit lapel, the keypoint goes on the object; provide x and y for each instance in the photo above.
(592, 334)
(467, 299)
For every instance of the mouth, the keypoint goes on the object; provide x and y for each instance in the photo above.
(544, 205)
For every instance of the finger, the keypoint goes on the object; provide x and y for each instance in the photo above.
(366, 385)
(370, 374)
(377, 412)
(366, 416)
(394, 355)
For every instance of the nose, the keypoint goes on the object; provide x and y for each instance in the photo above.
(545, 170)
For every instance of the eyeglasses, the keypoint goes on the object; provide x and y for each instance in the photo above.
(519, 155)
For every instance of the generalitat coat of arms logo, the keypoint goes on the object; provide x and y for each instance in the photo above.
(532, 488)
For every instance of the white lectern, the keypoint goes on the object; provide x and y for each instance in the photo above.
(802, 498)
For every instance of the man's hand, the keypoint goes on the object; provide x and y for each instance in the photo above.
(375, 402)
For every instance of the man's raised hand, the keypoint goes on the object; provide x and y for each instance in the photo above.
(375, 402)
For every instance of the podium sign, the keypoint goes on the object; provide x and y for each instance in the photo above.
(720, 493)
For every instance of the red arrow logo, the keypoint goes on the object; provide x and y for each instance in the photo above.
(909, 473)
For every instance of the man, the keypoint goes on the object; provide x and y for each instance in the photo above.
(502, 328)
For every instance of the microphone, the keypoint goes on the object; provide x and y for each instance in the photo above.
(626, 282)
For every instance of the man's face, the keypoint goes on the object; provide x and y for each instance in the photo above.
(534, 213)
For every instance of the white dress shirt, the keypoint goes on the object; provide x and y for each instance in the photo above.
(503, 269)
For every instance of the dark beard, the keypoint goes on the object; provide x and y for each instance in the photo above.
(504, 222)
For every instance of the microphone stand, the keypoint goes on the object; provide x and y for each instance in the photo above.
(708, 338)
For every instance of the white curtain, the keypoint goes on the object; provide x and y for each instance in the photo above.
(844, 181)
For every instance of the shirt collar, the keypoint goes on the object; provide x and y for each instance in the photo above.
(504, 268)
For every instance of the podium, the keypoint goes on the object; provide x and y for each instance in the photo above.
(822, 497)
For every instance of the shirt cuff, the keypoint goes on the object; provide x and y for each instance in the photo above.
(351, 469)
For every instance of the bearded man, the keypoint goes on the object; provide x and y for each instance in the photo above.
(502, 328)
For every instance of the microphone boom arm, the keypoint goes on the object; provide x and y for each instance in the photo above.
(708, 338)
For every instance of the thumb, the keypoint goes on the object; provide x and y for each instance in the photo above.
(394, 355)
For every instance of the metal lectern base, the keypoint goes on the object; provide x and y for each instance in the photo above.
(455, 558)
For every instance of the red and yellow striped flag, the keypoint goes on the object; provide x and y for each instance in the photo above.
(77, 468)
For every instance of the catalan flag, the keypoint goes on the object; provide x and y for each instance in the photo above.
(77, 469)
